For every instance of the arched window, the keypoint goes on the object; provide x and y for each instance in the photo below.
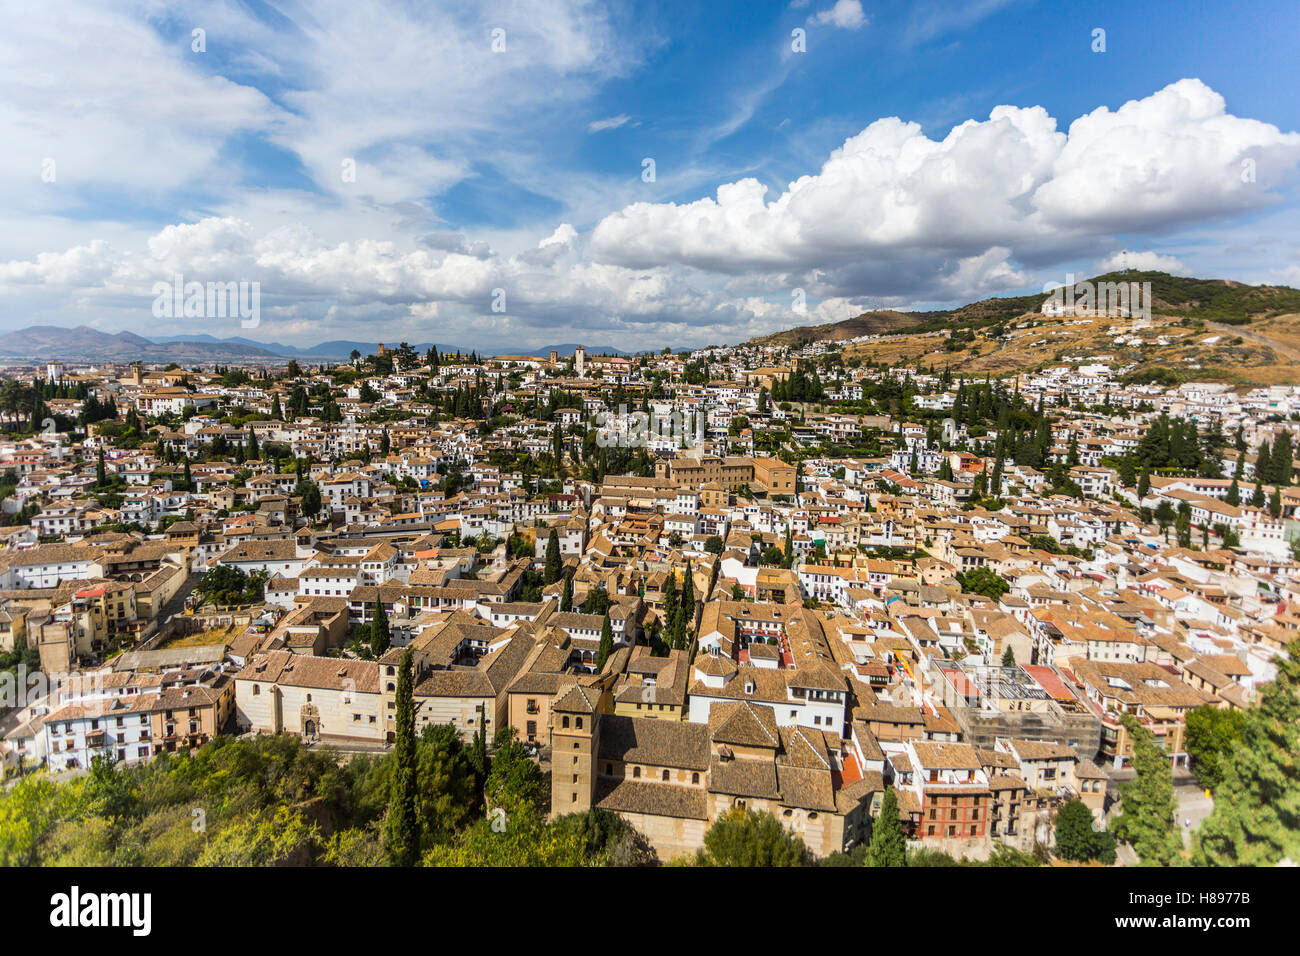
(636, 772)
(695, 778)
(665, 776)
(579, 720)
(564, 721)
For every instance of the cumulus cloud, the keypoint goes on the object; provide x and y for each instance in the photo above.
(845, 15)
(1013, 180)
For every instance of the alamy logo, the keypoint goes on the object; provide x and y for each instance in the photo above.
(19, 688)
(214, 300)
(624, 429)
(75, 909)
(1129, 300)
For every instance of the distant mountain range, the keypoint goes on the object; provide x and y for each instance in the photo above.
(84, 344)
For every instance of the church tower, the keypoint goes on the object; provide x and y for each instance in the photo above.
(575, 741)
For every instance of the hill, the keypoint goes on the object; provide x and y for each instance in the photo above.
(868, 323)
(1211, 300)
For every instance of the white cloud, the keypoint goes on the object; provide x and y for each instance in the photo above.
(1010, 181)
(845, 15)
(1145, 261)
(612, 122)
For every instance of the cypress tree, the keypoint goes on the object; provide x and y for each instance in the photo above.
(566, 599)
(402, 822)
(888, 846)
(554, 565)
(688, 595)
(380, 637)
(606, 643)
(1283, 455)
(670, 597)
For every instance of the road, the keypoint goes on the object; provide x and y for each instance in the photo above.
(1278, 347)
(1193, 805)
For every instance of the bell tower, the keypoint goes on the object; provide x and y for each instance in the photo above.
(575, 741)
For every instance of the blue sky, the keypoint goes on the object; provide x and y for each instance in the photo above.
(908, 155)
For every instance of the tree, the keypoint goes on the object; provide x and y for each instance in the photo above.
(1077, 840)
(1164, 515)
(380, 636)
(983, 581)
(566, 598)
(742, 837)
(401, 823)
(446, 781)
(713, 544)
(606, 643)
(554, 565)
(1009, 657)
(1148, 820)
(1256, 816)
(1233, 497)
(514, 781)
(688, 596)
(1281, 463)
(888, 846)
(1211, 736)
(670, 597)
(309, 496)
(101, 479)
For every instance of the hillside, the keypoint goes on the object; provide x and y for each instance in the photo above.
(868, 323)
(1211, 300)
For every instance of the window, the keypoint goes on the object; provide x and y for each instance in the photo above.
(636, 773)
(665, 776)
(695, 778)
(564, 722)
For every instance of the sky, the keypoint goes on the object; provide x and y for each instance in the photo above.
(636, 175)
